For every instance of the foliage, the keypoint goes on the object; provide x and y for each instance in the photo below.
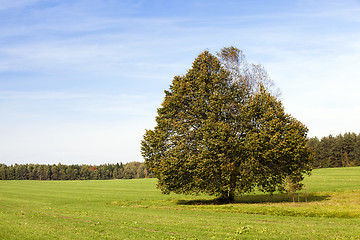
(252, 76)
(73, 172)
(276, 144)
(338, 151)
(217, 135)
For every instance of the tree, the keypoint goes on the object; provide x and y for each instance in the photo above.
(84, 172)
(251, 75)
(313, 145)
(131, 170)
(55, 172)
(208, 134)
(338, 151)
(70, 172)
(118, 171)
(3, 169)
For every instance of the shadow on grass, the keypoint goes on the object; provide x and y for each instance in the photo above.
(260, 198)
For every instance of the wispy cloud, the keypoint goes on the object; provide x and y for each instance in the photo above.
(125, 105)
(5, 4)
(30, 96)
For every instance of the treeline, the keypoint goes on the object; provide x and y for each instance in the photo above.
(73, 172)
(339, 151)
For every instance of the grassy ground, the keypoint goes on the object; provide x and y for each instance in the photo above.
(135, 209)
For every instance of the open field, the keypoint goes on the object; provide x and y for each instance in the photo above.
(329, 208)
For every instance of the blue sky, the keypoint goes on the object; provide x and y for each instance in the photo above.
(80, 80)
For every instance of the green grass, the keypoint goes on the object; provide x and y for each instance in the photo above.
(329, 208)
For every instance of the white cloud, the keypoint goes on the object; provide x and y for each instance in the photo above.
(6, 4)
(62, 104)
(37, 95)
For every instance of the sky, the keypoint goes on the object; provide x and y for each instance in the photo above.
(80, 80)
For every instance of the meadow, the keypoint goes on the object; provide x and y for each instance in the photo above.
(328, 208)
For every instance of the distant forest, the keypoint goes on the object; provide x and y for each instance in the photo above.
(73, 172)
(339, 151)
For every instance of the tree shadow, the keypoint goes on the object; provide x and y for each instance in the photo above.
(260, 198)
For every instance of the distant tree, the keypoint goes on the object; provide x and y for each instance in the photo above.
(313, 145)
(105, 171)
(70, 173)
(31, 170)
(62, 172)
(84, 172)
(118, 171)
(94, 173)
(348, 146)
(20, 172)
(131, 170)
(141, 171)
(336, 151)
(3, 169)
(128, 173)
(54, 172)
(355, 155)
(217, 134)
(10, 173)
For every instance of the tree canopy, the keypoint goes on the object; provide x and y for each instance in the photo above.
(216, 135)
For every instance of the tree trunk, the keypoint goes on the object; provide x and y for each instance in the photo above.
(227, 197)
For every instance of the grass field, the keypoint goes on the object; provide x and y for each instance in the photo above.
(329, 208)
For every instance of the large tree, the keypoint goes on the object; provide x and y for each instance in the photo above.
(215, 135)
